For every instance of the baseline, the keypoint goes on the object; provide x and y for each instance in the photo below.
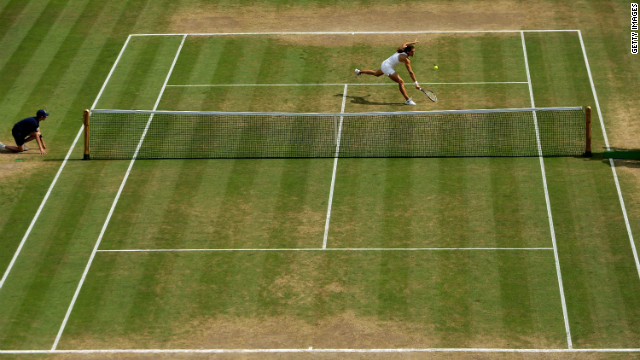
(319, 350)
(412, 32)
(323, 249)
(351, 84)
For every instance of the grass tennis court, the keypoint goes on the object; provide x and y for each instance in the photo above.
(324, 257)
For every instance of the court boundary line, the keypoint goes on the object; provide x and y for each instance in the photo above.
(358, 32)
(335, 169)
(548, 202)
(324, 249)
(57, 176)
(351, 84)
(311, 349)
(55, 179)
(623, 207)
(113, 206)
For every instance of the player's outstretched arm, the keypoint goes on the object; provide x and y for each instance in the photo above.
(40, 143)
(410, 43)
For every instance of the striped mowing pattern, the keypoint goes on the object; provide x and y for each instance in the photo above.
(57, 54)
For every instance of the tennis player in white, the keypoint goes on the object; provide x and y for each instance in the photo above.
(401, 56)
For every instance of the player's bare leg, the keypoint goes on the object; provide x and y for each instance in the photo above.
(14, 148)
(395, 77)
(370, 72)
(20, 148)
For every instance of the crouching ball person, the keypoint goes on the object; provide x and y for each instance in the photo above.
(387, 68)
(27, 130)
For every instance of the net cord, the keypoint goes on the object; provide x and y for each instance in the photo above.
(434, 112)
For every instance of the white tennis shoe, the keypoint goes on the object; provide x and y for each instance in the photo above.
(410, 102)
(2, 147)
(358, 72)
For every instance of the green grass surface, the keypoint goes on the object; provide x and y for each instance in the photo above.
(296, 299)
(301, 295)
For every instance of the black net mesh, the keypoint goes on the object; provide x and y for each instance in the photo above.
(119, 134)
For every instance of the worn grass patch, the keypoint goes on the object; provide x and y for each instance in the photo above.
(321, 299)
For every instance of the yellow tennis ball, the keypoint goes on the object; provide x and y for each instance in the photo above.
(435, 67)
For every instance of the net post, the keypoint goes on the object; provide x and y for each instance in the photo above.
(85, 119)
(587, 115)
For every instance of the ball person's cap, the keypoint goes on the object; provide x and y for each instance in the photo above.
(42, 113)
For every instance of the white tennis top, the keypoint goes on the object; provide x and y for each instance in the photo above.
(394, 59)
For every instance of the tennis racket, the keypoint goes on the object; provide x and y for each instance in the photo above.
(430, 94)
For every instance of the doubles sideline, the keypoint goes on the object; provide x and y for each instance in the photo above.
(552, 231)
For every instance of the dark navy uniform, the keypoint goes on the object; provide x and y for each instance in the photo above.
(23, 128)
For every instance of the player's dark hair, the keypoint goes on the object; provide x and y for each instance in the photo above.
(406, 49)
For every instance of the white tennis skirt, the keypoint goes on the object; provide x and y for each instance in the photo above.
(387, 68)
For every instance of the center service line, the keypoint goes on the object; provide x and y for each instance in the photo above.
(335, 167)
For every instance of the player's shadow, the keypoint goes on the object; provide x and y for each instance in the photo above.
(360, 100)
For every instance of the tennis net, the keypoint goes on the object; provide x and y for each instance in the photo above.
(125, 134)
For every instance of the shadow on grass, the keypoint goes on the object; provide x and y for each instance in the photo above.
(360, 100)
(627, 158)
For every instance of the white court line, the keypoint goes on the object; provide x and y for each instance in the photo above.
(311, 349)
(335, 168)
(548, 202)
(360, 32)
(632, 243)
(55, 179)
(325, 249)
(354, 84)
(113, 68)
(113, 206)
(39, 211)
